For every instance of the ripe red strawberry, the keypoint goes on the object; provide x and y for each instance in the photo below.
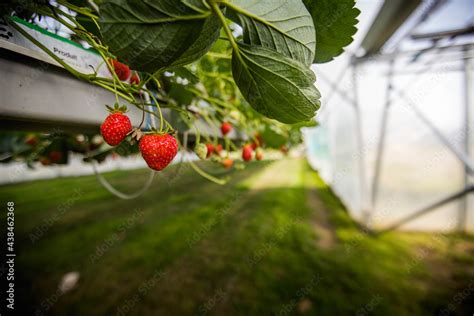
(115, 128)
(218, 149)
(158, 150)
(55, 156)
(31, 140)
(226, 128)
(45, 161)
(210, 149)
(247, 153)
(121, 70)
(227, 163)
(135, 79)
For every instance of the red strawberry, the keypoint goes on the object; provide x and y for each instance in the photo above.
(55, 156)
(121, 70)
(210, 149)
(258, 141)
(31, 140)
(226, 128)
(218, 149)
(227, 163)
(135, 79)
(45, 161)
(247, 153)
(115, 128)
(158, 150)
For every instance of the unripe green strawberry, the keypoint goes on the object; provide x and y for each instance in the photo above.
(201, 151)
(239, 165)
(216, 159)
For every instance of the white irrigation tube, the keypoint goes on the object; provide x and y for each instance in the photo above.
(116, 192)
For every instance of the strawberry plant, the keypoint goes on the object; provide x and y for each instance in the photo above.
(239, 65)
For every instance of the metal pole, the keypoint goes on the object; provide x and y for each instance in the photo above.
(383, 131)
(468, 121)
(428, 209)
(460, 154)
(365, 212)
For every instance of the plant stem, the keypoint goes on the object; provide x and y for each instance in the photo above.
(217, 11)
(206, 175)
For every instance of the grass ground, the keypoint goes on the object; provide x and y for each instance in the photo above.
(274, 241)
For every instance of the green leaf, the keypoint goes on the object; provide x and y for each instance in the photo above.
(153, 35)
(281, 25)
(274, 85)
(299, 125)
(335, 25)
(273, 137)
(180, 94)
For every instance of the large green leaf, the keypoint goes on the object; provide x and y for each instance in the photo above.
(284, 26)
(274, 85)
(156, 34)
(335, 25)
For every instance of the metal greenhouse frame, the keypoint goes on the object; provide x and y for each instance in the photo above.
(390, 17)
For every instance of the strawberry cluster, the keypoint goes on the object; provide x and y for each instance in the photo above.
(158, 150)
(205, 151)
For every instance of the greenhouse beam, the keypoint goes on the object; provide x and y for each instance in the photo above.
(428, 209)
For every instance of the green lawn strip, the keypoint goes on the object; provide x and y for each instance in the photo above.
(399, 271)
(265, 225)
(261, 252)
(163, 224)
(93, 198)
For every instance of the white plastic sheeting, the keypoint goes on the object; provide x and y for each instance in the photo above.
(416, 168)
